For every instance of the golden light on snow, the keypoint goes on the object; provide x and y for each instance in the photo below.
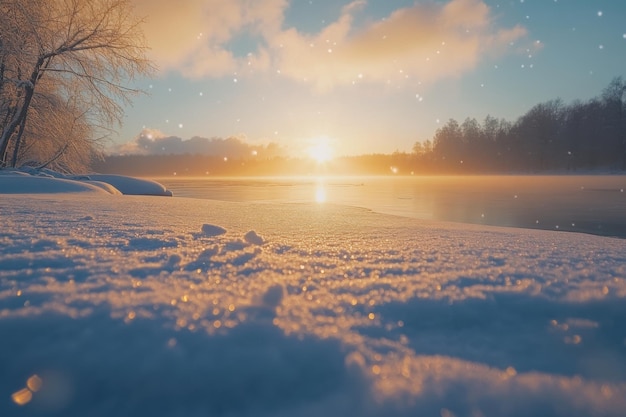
(340, 285)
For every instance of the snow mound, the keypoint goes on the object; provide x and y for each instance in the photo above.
(253, 238)
(27, 184)
(273, 296)
(211, 230)
(105, 186)
(27, 180)
(132, 186)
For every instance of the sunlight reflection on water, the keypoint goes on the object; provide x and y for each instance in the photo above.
(588, 204)
(320, 192)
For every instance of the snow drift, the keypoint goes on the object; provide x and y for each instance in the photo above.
(45, 181)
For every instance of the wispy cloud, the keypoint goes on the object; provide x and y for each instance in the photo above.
(154, 142)
(427, 41)
(193, 36)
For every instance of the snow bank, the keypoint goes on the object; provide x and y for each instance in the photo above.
(126, 307)
(44, 181)
(132, 186)
(26, 184)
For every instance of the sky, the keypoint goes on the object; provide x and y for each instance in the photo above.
(363, 76)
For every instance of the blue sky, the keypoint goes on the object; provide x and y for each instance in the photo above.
(367, 76)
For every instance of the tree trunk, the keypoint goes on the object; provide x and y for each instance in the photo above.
(18, 141)
(29, 89)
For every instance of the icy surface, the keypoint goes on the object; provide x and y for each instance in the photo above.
(134, 306)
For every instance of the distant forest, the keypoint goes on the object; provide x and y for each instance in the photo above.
(550, 137)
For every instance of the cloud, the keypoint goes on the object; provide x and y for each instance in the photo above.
(154, 142)
(427, 41)
(192, 37)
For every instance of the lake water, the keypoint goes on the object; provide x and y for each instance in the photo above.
(589, 204)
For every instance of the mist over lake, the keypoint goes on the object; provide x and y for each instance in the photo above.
(594, 204)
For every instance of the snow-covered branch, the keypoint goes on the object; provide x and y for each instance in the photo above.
(85, 49)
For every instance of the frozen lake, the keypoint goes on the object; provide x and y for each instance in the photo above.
(593, 204)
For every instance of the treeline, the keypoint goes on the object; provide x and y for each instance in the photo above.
(551, 136)
(194, 165)
(203, 165)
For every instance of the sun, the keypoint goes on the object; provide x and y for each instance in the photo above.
(321, 150)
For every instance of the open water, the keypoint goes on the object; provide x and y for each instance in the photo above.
(594, 204)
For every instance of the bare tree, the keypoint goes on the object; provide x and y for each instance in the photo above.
(69, 63)
(58, 135)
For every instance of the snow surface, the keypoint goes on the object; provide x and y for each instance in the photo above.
(134, 306)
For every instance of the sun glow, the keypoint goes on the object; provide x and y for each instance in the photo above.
(321, 150)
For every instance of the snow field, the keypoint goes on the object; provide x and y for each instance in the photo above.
(179, 307)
